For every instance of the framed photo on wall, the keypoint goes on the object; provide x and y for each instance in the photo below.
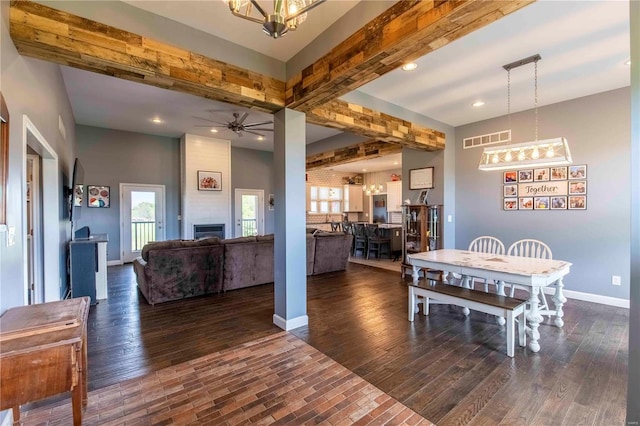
(577, 202)
(510, 191)
(510, 204)
(209, 181)
(559, 173)
(578, 172)
(510, 176)
(541, 175)
(558, 203)
(578, 187)
(98, 196)
(525, 176)
(525, 203)
(421, 178)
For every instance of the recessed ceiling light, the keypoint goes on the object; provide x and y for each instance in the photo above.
(477, 104)
(156, 120)
(364, 170)
(260, 138)
(395, 163)
(628, 62)
(214, 130)
(410, 66)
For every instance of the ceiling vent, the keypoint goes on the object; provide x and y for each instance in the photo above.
(488, 139)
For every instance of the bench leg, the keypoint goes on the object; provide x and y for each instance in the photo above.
(522, 328)
(411, 303)
(510, 334)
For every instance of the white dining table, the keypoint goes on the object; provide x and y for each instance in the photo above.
(528, 272)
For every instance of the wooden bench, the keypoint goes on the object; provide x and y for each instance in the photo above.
(502, 306)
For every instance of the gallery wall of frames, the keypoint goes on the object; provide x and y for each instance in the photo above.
(548, 188)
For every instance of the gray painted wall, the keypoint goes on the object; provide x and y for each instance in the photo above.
(36, 89)
(595, 240)
(251, 169)
(111, 157)
(444, 178)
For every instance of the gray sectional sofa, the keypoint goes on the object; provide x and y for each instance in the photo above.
(177, 269)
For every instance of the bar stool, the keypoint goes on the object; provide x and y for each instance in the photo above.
(377, 241)
(359, 239)
(336, 226)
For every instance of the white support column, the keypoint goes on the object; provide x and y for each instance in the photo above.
(289, 154)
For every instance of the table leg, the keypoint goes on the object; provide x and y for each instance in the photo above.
(559, 300)
(16, 414)
(412, 303)
(534, 318)
(500, 287)
(416, 273)
(466, 283)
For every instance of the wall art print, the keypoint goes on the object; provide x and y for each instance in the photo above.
(98, 196)
(209, 181)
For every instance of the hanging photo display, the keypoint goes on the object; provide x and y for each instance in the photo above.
(547, 188)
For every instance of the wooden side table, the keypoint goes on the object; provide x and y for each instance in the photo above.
(43, 352)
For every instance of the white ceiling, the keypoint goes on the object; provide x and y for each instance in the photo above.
(583, 44)
(214, 17)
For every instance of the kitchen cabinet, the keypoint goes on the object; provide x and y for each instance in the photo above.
(394, 196)
(352, 198)
(308, 197)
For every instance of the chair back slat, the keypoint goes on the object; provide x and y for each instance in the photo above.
(530, 248)
(487, 244)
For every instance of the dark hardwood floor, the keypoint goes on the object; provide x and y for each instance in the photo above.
(448, 368)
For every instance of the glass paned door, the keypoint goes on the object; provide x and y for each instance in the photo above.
(142, 211)
(249, 205)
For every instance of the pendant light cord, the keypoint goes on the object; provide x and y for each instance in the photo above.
(535, 100)
(509, 100)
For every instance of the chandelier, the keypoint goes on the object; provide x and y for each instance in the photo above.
(372, 189)
(287, 14)
(547, 152)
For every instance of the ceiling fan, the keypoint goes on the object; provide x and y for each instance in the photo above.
(238, 126)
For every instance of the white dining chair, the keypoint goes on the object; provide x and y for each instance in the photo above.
(486, 244)
(530, 248)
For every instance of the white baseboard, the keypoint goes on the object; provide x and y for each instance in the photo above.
(287, 325)
(590, 297)
(114, 262)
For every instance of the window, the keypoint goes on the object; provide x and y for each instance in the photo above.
(326, 199)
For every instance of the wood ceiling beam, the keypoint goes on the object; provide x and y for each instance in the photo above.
(406, 31)
(56, 36)
(349, 154)
(409, 29)
(382, 127)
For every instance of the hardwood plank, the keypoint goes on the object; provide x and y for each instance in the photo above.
(448, 368)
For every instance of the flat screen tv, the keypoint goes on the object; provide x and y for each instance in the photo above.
(77, 192)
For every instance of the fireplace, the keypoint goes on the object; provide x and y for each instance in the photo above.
(209, 230)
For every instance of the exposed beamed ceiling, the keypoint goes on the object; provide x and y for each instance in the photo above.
(408, 29)
(349, 154)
